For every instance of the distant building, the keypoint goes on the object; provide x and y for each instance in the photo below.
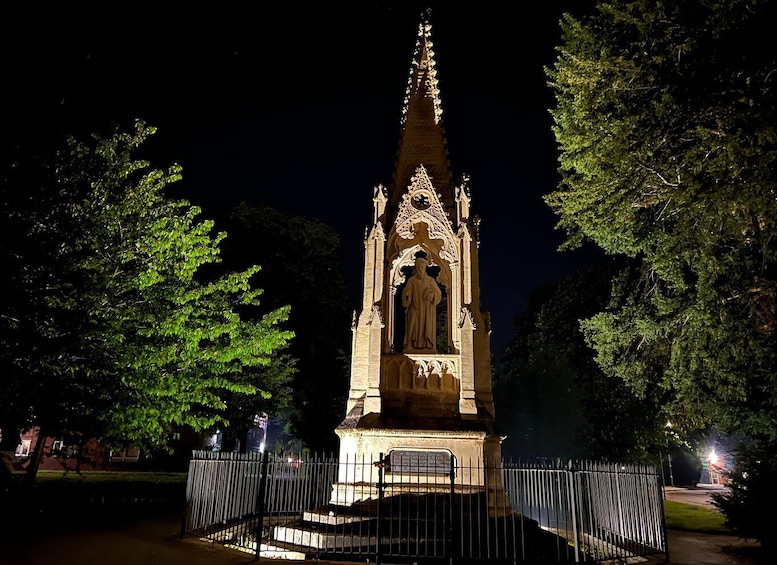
(61, 455)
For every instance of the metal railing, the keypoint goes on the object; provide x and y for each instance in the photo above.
(552, 511)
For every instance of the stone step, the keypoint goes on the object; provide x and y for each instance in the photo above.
(282, 551)
(302, 535)
(330, 517)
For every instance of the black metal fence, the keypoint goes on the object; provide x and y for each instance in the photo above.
(549, 511)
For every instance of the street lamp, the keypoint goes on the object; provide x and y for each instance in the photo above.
(668, 430)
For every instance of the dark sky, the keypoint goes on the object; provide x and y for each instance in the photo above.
(298, 108)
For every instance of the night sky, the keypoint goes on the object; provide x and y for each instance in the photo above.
(299, 108)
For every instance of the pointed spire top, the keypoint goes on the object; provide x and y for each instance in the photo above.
(422, 137)
(422, 82)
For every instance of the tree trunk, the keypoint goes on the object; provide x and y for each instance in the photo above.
(80, 456)
(37, 457)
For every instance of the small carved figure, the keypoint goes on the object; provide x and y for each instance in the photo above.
(420, 298)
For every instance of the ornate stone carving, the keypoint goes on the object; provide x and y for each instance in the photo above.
(420, 299)
(377, 233)
(439, 367)
(463, 199)
(379, 199)
(466, 316)
(423, 69)
(376, 315)
(441, 370)
(467, 405)
(421, 203)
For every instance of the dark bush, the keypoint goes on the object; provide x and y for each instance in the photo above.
(752, 497)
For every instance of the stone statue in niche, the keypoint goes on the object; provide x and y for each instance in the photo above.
(420, 299)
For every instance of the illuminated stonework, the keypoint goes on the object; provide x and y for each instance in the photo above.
(433, 397)
(423, 75)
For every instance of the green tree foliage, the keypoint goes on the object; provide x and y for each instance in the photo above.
(552, 398)
(301, 267)
(665, 118)
(115, 329)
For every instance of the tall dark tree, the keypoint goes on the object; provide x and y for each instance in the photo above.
(111, 327)
(552, 398)
(665, 119)
(301, 267)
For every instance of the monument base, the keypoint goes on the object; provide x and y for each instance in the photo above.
(420, 457)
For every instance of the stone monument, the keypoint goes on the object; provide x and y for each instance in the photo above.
(420, 383)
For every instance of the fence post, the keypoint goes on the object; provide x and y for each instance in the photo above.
(663, 522)
(449, 542)
(573, 504)
(186, 502)
(663, 481)
(380, 464)
(260, 503)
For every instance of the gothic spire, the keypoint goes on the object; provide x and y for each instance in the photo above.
(422, 136)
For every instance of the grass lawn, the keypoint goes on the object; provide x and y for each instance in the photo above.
(69, 501)
(693, 518)
(111, 476)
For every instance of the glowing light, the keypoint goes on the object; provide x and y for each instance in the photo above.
(713, 457)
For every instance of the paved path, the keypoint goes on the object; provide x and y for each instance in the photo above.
(686, 548)
(700, 495)
(706, 549)
(148, 542)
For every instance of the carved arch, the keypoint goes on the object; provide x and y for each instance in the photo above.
(422, 224)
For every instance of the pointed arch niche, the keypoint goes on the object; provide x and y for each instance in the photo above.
(422, 225)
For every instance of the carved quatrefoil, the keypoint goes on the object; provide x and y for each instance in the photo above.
(421, 201)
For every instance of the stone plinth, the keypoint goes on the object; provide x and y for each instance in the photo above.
(361, 449)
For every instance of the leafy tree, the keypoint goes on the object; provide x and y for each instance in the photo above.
(552, 398)
(118, 331)
(301, 267)
(665, 119)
